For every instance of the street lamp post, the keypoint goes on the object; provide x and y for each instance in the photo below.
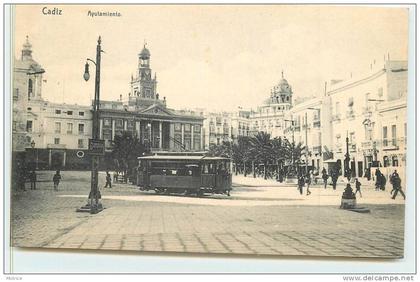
(36, 152)
(348, 199)
(94, 205)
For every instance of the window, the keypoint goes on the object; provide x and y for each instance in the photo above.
(119, 123)
(16, 94)
(57, 127)
(337, 108)
(30, 89)
(394, 135)
(14, 126)
(385, 135)
(81, 128)
(29, 109)
(80, 144)
(380, 92)
(57, 112)
(81, 114)
(352, 139)
(107, 122)
(69, 128)
(69, 113)
(197, 128)
(56, 141)
(187, 127)
(29, 126)
(177, 127)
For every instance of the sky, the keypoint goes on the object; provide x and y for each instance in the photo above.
(217, 57)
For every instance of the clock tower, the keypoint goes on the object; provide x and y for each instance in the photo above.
(143, 86)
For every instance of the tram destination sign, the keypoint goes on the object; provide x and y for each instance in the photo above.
(96, 147)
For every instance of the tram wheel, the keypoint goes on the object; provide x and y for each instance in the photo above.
(200, 193)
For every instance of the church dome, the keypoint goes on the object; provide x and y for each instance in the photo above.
(145, 53)
(284, 85)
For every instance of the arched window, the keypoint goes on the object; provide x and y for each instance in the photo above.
(30, 87)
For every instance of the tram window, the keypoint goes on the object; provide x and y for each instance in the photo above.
(211, 168)
(205, 168)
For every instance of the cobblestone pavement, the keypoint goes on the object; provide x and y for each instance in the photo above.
(261, 217)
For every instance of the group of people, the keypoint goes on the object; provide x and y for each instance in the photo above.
(394, 178)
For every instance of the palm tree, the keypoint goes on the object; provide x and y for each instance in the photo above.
(262, 149)
(240, 153)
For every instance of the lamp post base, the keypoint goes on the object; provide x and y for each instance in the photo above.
(89, 209)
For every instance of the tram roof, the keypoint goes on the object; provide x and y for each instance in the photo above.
(181, 158)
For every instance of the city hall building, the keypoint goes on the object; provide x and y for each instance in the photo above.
(146, 115)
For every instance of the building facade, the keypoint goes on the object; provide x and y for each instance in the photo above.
(56, 135)
(27, 86)
(147, 116)
(270, 115)
(363, 110)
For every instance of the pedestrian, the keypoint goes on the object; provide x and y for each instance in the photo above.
(301, 183)
(334, 178)
(396, 186)
(382, 182)
(32, 178)
(378, 179)
(56, 180)
(108, 180)
(308, 183)
(358, 186)
(325, 177)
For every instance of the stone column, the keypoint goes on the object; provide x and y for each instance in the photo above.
(171, 136)
(125, 124)
(101, 134)
(64, 159)
(160, 134)
(137, 126)
(201, 138)
(192, 136)
(49, 158)
(113, 129)
(182, 133)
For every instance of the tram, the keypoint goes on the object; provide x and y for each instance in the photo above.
(189, 175)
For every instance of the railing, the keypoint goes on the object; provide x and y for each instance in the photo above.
(367, 111)
(317, 149)
(350, 114)
(317, 124)
(367, 144)
(336, 117)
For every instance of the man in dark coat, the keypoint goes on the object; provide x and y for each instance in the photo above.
(396, 186)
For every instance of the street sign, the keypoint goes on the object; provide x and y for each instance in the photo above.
(96, 147)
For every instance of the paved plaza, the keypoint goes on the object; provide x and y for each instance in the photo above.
(261, 217)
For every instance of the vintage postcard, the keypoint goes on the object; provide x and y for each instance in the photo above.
(277, 130)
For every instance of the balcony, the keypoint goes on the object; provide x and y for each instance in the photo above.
(350, 114)
(317, 150)
(56, 146)
(317, 124)
(367, 111)
(389, 145)
(336, 117)
(367, 145)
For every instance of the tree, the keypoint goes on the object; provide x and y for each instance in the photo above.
(262, 149)
(293, 153)
(125, 150)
